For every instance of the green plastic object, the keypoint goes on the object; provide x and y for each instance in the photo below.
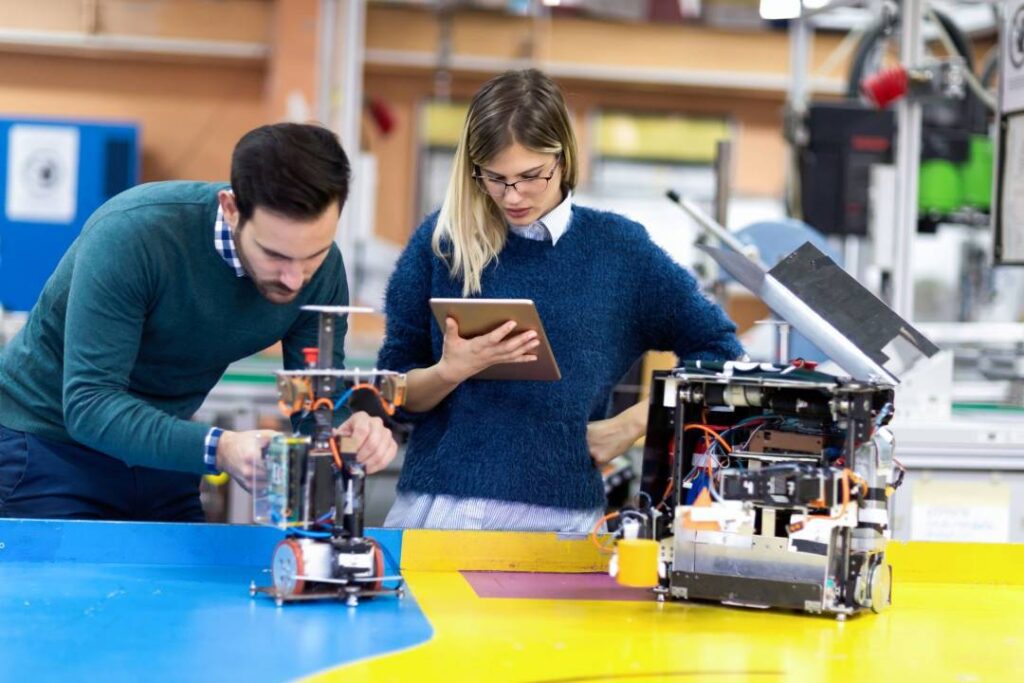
(940, 189)
(977, 174)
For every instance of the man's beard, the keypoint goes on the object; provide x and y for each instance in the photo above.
(275, 293)
(270, 290)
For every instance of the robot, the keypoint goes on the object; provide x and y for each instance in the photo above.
(312, 488)
(768, 484)
(772, 488)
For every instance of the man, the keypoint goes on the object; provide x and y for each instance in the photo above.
(167, 284)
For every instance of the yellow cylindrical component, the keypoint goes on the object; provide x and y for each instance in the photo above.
(638, 562)
(218, 479)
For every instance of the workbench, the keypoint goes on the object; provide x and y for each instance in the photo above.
(128, 601)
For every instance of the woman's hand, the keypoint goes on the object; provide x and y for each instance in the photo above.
(463, 358)
(610, 438)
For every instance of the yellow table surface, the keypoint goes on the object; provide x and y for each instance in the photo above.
(957, 615)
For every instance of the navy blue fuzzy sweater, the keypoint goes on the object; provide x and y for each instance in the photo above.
(606, 294)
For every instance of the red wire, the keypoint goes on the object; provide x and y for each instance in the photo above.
(378, 564)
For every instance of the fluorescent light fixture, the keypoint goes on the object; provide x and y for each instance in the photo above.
(779, 9)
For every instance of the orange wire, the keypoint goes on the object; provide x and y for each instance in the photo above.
(708, 431)
(335, 452)
(334, 446)
(711, 432)
(323, 401)
(378, 564)
(593, 533)
(857, 480)
(668, 490)
(285, 409)
(296, 404)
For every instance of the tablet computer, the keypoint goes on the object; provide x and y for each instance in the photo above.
(480, 316)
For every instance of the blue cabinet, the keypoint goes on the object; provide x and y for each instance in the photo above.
(53, 175)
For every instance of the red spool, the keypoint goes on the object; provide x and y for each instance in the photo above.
(886, 86)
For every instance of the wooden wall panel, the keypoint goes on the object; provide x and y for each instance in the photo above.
(191, 115)
(590, 42)
(52, 15)
(192, 111)
(234, 20)
(292, 71)
(760, 153)
(229, 20)
(396, 212)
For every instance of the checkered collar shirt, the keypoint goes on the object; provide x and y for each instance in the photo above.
(224, 243)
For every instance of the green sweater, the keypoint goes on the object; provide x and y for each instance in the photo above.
(138, 323)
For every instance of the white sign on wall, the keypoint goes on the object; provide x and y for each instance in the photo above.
(977, 512)
(42, 173)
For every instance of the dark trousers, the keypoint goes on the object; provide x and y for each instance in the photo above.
(47, 479)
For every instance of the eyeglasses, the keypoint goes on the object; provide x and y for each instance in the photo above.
(526, 186)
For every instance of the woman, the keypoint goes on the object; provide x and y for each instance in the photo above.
(526, 455)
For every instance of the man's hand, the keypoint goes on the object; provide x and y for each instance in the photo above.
(463, 358)
(375, 446)
(610, 438)
(240, 454)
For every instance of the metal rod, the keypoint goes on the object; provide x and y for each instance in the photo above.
(799, 58)
(325, 56)
(346, 121)
(709, 224)
(782, 329)
(723, 175)
(908, 160)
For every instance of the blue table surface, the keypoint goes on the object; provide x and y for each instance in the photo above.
(124, 601)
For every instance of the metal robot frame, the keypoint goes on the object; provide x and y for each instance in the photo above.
(312, 487)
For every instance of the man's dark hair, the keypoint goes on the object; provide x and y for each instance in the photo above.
(292, 169)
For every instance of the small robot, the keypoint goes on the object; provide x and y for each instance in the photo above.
(312, 487)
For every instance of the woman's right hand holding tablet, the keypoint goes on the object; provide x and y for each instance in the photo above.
(462, 358)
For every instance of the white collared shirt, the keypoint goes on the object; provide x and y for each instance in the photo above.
(551, 226)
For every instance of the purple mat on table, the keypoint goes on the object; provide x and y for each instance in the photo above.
(543, 586)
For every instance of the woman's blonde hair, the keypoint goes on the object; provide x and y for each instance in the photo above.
(524, 107)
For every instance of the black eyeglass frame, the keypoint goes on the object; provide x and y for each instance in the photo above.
(481, 179)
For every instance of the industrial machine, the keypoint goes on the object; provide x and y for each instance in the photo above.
(767, 484)
(311, 486)
(839, 141)
(774, 485)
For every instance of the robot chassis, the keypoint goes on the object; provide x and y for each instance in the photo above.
(312, 487)
(794, 469)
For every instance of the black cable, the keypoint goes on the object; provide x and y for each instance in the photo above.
(885, 25)
(865, 47)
